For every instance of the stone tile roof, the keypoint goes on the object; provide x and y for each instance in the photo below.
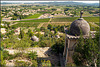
(84, 36)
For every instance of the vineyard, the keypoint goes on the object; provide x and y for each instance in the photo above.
(71, 19)
(28, 24)
(37, 20)
(97, 23)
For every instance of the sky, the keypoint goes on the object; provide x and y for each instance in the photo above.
(88, 1)
(52, 1)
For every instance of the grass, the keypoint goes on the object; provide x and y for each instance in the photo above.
(33, 16)
(37, 20)
(71, 19)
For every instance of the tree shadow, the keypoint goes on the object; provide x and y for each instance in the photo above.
(52, 57)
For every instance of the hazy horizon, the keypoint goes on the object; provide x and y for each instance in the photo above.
(50, 1)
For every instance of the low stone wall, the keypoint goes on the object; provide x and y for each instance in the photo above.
(41, 52)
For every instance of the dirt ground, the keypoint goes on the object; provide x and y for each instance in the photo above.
(43, 54)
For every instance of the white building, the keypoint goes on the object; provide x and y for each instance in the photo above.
(3, 30)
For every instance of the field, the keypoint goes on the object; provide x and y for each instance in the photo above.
(28, 24)
(33, 16)
(37, 20)
(97, 23)
(56, 24)
(92, 19)
(65, 19)
(71, 19)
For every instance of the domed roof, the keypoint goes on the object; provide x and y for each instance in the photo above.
(34, 38)
(78, 26)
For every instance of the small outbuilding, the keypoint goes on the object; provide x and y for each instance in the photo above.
(34, 38)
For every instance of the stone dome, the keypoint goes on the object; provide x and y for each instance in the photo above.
(79, 25)
(34, 38)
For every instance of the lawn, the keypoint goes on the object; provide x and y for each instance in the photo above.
(37, 20)
(33, 16)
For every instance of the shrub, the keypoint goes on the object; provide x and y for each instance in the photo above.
(43, 44)
(34, 44)
(21, 64)
(32, 55)
(2, 62)
(42, 28)
(20, 54)
(7, 56)
(46, 63)
(35, 64)
(70, 64)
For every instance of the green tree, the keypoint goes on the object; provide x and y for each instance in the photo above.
(58, 47)
(30, 33)
(15, 14)
(86, 52)
(1, 35)
(55, 30)
(50, 27)
(22, 33)
(47, 32)
(8, 24)
(10, 33)
(14, 18)
(2, 62)
(42, 28)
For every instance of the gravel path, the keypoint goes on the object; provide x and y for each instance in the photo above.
(40, 25)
